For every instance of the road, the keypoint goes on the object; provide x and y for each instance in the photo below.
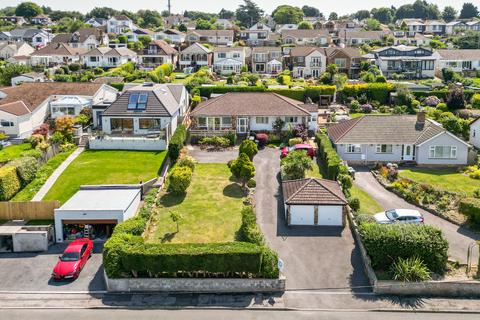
(458, 238)
(122, 314)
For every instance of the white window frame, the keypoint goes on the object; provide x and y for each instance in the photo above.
(261, 120)
(432, 152)
(291, 119)
(353, 148)
(379, 148)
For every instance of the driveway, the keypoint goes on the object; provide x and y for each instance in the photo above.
(314, 257)
(204, 156)
(458, 238)
(31, 271)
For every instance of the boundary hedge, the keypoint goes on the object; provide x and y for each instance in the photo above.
(329, 156)
(177, 141)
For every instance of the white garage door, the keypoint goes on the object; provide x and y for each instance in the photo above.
(302, 215)
(330, 216)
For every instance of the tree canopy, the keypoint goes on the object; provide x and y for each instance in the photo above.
(469, 10)
(248, 13)
(311, 11)
(449, 13)
(287, 14)
(28, 10)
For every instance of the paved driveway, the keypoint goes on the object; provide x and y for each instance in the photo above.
(204, 156)
(31, 272)
(315, 257)
(458, 238)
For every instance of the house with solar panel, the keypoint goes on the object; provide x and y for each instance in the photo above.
(144, 117)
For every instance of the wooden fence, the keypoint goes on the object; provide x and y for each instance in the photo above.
(27, 210)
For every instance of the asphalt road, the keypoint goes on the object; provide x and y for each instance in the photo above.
(458, 238)
(323, 258)
(122, 314)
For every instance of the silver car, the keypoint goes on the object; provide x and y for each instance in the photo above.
(399, 216)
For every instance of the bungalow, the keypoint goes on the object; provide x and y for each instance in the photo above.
(224, 23)
(305, 62)
(96, 22)
(473, 25)
(267, 60)
(133, 35)
(227, 60)
(105, 57)
(356, 38)
(305, 37)
(158, 52)
(86, 38)
(29, 77)
(14, 20)
(214, 37)
(119, 24)
(41, 19)
(173, 35)
(462, 60)
(413, 25)
(418, 39)
(37, 38)
(412, 62)
(346, 59)
(12, 49)
(145, 115)
(195, 56)
(435, 27)
(372, 139)
(454, 26)
(56, 54)
(243, 112)
(25, 107)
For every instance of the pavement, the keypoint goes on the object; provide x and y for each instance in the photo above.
(56, 174)
(459, 238)
(32, 272)
(323, 258)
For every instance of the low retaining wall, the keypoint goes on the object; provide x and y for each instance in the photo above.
(117, 143)
(189, 285)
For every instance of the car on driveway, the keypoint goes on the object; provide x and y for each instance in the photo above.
(73, 259)
(310, 150)
(399, 216)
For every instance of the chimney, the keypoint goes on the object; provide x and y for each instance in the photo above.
(421, 117)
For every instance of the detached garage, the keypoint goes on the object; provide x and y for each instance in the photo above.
(313, 202)
(94, 211)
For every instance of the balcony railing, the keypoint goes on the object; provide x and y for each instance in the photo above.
(315, 64)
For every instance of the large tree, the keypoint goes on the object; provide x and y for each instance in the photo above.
(469, 10)
(102, 12)
(287, 14)
(59, 15)
(305, 25)
(333, 16)
(28, 10)
(226, 14)
(405, 12)
(362, 14)
(449, 13)
(384, 15)
(248, 13)
(151, 19)
(310, 11)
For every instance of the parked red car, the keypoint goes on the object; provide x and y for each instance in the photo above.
(303, 146)
(73, 259)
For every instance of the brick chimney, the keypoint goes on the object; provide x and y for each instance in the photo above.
(421, 117)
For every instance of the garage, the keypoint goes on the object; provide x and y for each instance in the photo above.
(313, 202)
(94, 211)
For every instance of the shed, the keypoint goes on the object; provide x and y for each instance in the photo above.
(313, 202)
(95, 210)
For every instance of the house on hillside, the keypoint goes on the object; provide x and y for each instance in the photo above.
(460, 60)
(267, 60)
(306, 62)
(228, 60)
(143, 117)
(87, 38)
(41, 19)
(157, 53)
(305, 37)
(37, 38)
(12, 49)
(243, 112)
(357, 38)
(25, 107)
(173, 35)
(195, 56)
(105, 57)
(391, 138)
(120, 24)
(96, 22)
(19, 21)
(213, 37)
(346, 59)
(56, 54)
(29, 77)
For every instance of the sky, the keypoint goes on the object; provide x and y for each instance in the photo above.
(178, 6)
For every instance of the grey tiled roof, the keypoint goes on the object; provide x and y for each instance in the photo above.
(313, 191)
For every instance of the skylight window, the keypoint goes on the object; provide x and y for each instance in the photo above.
(137, 101)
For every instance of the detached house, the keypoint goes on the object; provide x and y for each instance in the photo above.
(119, 24)
(105, 57)
(435, 27)
(196, 56)
(96, 22)
(267, 60)
(214, 37)
(371, 139)
(10, 50)
(37, 38)
(55, 54)
(305, 62)
(14, 19)
(227, 60)
(173, 35)
(133, 35)
(462, 60)
(356, 38)
(257, 35)
(156, 53)
(87, 38)
(346, 59)
(41, 19)
(305, 37)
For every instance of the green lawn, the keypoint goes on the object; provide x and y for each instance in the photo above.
(367, 204)
(13, 151)
(106, 167)
(444, 179)
(210, 210)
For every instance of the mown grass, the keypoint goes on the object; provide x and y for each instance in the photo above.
(368, 205)
(13, 151)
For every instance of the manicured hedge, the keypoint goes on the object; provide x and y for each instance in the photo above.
(26, 167)
(9, 183)
(386, 243)
(329, 157)
(374, 91)
(177, 141)
(249, 230)
(441, 94)
(471, 208)
(118, 85)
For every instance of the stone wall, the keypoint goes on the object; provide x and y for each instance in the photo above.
(195, 285)
(429, 288)
(30, 241)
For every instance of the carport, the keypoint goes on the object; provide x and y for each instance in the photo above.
(94, 211)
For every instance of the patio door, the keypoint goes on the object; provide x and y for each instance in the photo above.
(242, 125)
(407, 152)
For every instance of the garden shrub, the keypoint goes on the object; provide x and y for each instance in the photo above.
(134, 226)
(251, 183)
(249, 230)
(409, 270)
(294, 141)
(385, 244)
(9, 183)
(242, 168)
(179, 179)
(177, 142)
(232, 137)
(35, 140)
(470, 207)
(476, 101)
(26, 167)
(354, 204)
(187, 161)
(249, 148)
(269, 268)
(217, 142)
(294, 165)
(373, 91)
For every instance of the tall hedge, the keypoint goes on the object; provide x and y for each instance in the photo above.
(374, 91)
(329, 157)
(386, 243)
(9, 183)
(27, 168)
(177, 141)
(471, 208)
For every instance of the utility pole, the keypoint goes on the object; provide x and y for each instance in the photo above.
(169, 8)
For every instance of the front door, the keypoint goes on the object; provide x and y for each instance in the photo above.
(407, 152)
(316, 73)
(242, 125)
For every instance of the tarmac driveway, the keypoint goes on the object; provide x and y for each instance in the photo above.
(32, 271)
(458, 238)
(319, 258)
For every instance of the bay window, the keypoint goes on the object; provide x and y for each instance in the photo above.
(442, 152)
